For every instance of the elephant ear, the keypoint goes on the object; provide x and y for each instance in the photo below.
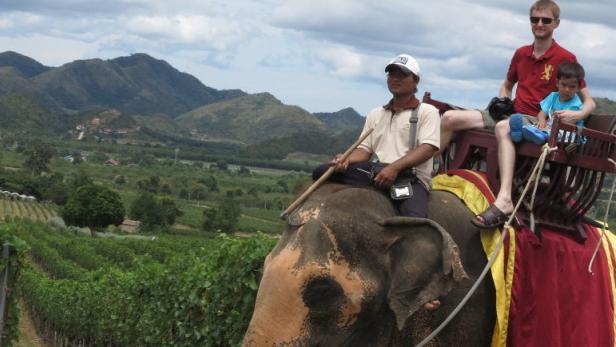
(424, 264)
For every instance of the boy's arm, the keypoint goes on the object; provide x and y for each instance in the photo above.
(570, 116)
(541, 120)
(589, 104)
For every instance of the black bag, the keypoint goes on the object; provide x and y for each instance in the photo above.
(402, 187)
(500, 108)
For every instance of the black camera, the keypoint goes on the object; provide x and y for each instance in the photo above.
(500, 108)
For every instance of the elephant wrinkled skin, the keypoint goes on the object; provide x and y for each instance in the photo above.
(349, 272)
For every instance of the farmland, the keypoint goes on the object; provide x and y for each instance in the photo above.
(182, 285)
(172, 291)
(25, 209)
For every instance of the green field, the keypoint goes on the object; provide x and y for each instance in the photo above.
(175, 290)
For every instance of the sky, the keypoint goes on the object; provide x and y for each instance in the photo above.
(321, 55)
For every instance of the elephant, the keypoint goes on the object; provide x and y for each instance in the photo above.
(348, 271)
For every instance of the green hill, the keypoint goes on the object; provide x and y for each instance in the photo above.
(314, 142)
(25, 65)
(249, 119)
(136, 84)
(605, 106)
(24, 112)
(342, 121)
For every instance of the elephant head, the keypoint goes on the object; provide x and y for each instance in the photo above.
(347, 271)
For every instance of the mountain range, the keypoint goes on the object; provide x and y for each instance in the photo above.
(139, 96)
(155, 96)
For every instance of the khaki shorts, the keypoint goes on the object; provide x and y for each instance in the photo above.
(489, 123)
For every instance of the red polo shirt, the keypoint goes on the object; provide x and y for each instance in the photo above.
(535, 78)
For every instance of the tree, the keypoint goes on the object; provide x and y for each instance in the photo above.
(151, 185)
(224, 217)
(284, 186)
(154, 212)
(77, 158)
(169, 211)
(199, 192)
(94, 206)
(166, 188)
(119, 180)
(210, 182)
(221, 165)
(38, 156)
(243, 171)
(80, 179)
(53, 188)
(209, 219)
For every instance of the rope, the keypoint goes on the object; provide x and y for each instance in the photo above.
(540, 164)
(535, 174)
(607, 212)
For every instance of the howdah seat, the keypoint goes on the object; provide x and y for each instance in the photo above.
(572, 177)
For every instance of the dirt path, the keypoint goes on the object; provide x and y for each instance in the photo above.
(28, 337)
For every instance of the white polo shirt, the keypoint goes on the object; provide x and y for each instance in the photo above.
(390, 139)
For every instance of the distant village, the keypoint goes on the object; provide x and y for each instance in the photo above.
(100, 124)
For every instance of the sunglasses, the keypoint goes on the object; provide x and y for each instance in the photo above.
(544, 20)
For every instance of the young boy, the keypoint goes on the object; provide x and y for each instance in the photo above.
(569, 78)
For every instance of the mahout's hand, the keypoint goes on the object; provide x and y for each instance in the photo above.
(386, 177)
(340, 165)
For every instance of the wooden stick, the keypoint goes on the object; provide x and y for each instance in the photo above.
(324, 177)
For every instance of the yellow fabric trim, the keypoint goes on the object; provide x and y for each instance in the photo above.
(476, 202)
(466, 191)
(610, 239)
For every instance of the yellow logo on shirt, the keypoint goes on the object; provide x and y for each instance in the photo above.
(548, 70)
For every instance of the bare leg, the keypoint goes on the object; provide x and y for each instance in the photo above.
(456, 120)
(506, 164)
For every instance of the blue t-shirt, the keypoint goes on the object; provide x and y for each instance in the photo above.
(552, 103)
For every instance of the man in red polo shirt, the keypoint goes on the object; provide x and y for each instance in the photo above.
(533, 68)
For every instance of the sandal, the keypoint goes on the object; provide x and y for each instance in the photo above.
(492, 218)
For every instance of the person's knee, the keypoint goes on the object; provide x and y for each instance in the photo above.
(319, 171)
(502, 128)
(448, 119)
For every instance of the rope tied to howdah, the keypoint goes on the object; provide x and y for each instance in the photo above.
(605, 225)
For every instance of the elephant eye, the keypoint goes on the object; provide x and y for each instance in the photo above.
(295, 223)
(323, 294)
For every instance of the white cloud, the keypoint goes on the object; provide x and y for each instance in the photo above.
(345, 63)
(189, 29)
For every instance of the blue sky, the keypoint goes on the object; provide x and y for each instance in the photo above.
(320, 55)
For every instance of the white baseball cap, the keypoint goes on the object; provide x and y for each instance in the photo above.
(406, 63)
